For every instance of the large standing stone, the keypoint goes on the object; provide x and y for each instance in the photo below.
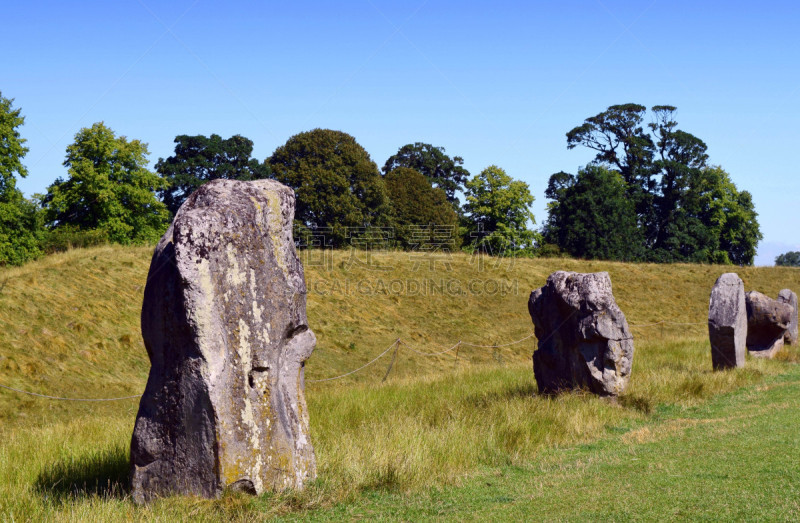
(767, 321)
(584, 341)
(790, 298)
(727, 322)
(224, 323)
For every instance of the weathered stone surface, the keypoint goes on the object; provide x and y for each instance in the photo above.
(767, 320)
(727, 322)
(790, 298)
(584, 340)
(224, 323)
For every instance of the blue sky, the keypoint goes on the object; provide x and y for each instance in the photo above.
(494, 82)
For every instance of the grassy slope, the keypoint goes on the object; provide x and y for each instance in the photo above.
(69, 326)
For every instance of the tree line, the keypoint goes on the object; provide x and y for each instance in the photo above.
(648, 195)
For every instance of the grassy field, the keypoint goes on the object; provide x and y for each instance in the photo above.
(733, 458)
(438, 426)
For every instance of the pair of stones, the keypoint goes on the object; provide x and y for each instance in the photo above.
(739, 321)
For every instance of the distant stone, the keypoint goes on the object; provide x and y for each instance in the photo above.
(584, 340)
(727, 322)
(790, 298)
(767, 321)
(224, 324)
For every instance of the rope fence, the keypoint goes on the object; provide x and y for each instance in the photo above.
(395, 346)
(379, 356)
(68, 399)
(664, 322)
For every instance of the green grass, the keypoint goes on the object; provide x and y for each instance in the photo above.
(733, 458)
(437, 427)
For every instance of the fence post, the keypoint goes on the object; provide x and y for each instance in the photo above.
(394, 357)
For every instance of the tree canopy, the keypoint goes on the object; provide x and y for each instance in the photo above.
(12, 145)
(109, 188)
(441, 170)
(788, 259)
(498, 209)
(592, 216)
(422, 214)
(200, 159)
(677, 198)
(18, 216)
(339, 188)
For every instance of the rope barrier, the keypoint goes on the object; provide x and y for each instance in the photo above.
(379, 356)
(531, 335)
(395, 345)
(69, 399)
(429, 354)
(664, 322)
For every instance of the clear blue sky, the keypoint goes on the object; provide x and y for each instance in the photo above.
(494, 82)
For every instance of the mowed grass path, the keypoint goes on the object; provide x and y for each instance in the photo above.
(69, 327)
(734, 458)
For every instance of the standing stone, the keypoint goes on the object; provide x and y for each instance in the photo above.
(224, 324)
(790, 298)
(727, 322)
(767, 321)
(584, 340)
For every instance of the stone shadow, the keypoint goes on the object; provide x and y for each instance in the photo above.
(485, 399)
(102, 473)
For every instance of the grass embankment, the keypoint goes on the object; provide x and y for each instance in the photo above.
(70, 328)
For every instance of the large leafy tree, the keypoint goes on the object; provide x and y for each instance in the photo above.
(621, 141)
(679, 161)
(440, 169)
(498, 210)
(18, 216)
(422, 214)
(200, 159)
(732, 213)
(670, 185)
(109, 188)
(339, 188)
(788, 259)
(591, 215)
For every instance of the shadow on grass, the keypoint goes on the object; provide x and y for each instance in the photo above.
(638, 403)
(101, 473)
(486, 399)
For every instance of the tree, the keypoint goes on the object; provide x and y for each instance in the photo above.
(788, 259)
(18, 216)
(200, 159)
(651, 163)
(499, 211)
(20, 227)
(109, 188)
(669, 183)
(441, 171)
(680, 160)
(591, 215)
(733, 214)
(339, 188)
(422, 214)
(619, 139)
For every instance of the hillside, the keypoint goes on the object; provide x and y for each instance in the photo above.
(69, 326)
(69, 323)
